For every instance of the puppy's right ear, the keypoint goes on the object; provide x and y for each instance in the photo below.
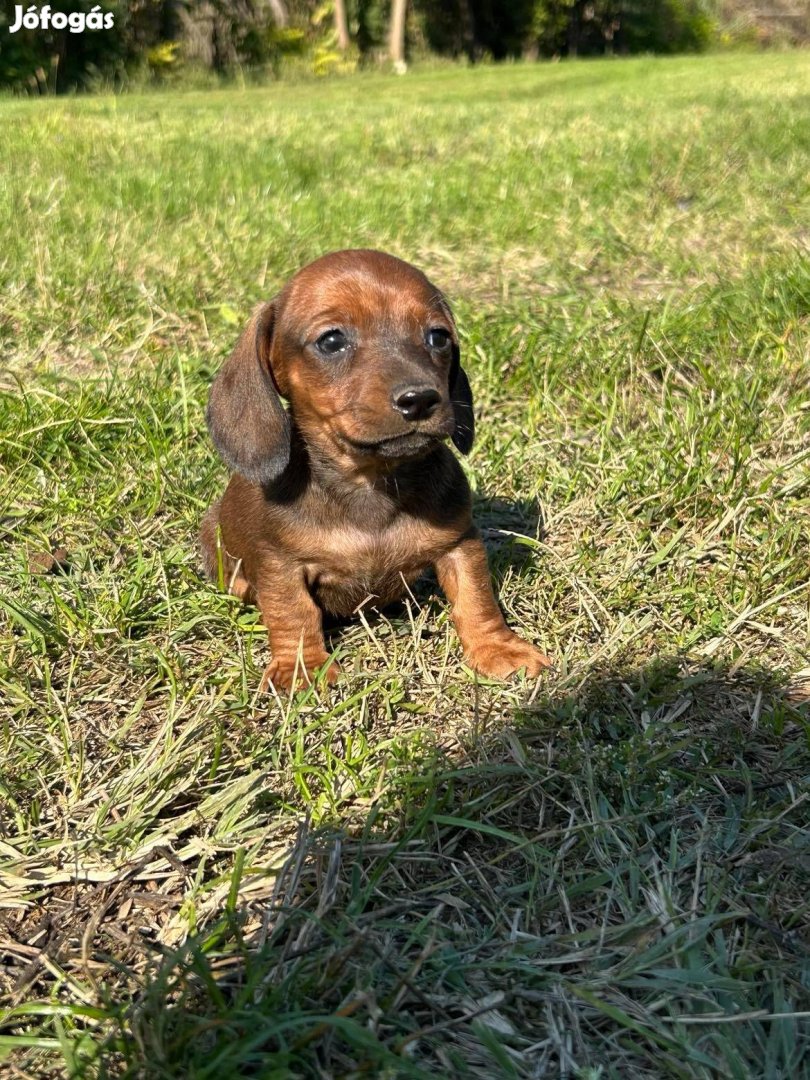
(248, 424)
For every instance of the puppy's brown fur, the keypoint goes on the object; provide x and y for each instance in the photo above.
(351, 492)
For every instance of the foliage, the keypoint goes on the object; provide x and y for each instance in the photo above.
(328, 60)
(677, 26)
(163, 59)
(221, 35)
(549, 27)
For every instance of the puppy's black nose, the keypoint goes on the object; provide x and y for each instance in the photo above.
(416, 402)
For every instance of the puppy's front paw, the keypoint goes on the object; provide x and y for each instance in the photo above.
(288, 672)
(501, 655)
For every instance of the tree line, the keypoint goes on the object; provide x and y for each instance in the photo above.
(161, 39)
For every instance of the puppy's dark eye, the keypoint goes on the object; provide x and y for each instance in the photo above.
(332, 342)
(438, 338)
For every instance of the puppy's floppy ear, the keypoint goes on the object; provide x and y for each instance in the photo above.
(462, 402)
(248, 424)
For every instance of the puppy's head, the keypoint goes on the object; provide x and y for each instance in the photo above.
(366, 351)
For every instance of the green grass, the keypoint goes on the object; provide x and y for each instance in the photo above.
(419, 873)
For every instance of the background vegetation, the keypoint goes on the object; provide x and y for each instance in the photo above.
(190, 40)
(418, 873)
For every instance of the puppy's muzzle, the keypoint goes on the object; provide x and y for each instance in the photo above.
(416, 403)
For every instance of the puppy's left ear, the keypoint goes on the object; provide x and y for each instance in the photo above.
(462, 402)
(460, 393)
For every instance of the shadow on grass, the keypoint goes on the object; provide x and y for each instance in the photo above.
(612, 883)
(512, 530)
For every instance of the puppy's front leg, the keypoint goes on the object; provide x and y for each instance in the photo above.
(294, 627)
(489, 645)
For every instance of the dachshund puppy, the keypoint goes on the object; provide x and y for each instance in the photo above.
(351, 492)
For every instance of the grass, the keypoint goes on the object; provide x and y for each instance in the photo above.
(602, 875)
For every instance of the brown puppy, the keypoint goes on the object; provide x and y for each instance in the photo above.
(351, 492)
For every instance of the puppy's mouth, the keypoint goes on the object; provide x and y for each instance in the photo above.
(410, 445)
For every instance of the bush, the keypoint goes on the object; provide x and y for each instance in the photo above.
(165, 60)
(670, 26)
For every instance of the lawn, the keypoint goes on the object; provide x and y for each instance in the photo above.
(418, 873)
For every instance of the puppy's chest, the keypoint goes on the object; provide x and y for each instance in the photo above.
(353, 564)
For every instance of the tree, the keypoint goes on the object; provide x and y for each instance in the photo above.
(342, 25)
(280, 16)
(397, 36)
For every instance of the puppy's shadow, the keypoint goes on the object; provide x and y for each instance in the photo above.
(512, 530)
